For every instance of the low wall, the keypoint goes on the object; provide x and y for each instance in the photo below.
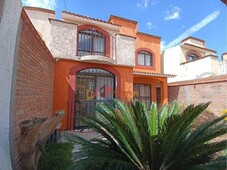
(213, 89)
(34, 78)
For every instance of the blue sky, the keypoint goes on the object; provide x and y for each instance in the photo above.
(172, 20)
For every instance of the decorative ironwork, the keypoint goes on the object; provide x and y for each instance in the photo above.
(93, 86)
(91, 41)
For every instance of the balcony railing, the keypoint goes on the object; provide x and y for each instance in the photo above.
(223, 67)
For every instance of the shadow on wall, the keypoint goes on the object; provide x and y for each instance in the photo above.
(1, 9)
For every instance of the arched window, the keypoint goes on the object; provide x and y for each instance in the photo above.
(145, 58)
(191, 57)
(91, 41)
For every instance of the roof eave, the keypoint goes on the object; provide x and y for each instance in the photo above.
(84, 20)
(154, 75)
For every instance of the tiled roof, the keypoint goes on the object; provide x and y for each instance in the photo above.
(153, 74)
(149, 35)
(90, 18)
(123, 19)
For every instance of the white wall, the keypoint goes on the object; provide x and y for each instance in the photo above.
(172, 58)
(40, 20)
(9, 25)
(201, 68)
(174, 62)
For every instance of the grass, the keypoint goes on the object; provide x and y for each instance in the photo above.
(58, 157)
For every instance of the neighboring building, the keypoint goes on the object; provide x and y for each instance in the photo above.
(99, 61)
(191, 60)
(223, 64)
(224, 1)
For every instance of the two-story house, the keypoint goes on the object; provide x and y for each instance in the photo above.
(191, 60)
(99, 61)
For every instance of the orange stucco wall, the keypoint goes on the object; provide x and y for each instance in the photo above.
(143, 41)
(63, 84)
(153, 81)
(65, 71)
(128, 27)
(151, 43)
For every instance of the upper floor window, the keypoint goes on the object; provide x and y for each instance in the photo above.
(192, 57)
(91, 41)
(145, 58)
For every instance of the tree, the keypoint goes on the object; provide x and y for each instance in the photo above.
(155, 139)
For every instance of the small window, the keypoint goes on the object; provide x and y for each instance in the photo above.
(91, 41)
(192, 57)
(144, 58)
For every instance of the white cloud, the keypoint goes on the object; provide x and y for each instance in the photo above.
(143, 4)
(154, 2)
(174, 13)
(48, 4)
(194, 28)
(149, 25)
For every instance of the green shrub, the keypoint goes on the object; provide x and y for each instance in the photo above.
(58, 157)
(134, 138)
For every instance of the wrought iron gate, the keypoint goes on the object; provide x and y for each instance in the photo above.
(93, 86)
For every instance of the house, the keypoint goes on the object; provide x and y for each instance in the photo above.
(99, 61)
(191, 60)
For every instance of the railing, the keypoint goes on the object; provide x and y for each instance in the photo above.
(79, 109)
(223, 67)
(86, 108)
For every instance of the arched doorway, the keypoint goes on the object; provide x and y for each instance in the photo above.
(93, 86)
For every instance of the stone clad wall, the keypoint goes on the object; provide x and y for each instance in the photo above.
(211, 89)
(64, 35)
(125, 50)
(34, 78)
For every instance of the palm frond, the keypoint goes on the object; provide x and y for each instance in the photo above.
(133, 137)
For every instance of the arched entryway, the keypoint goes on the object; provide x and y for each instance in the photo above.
(82, 72)
(93, 86)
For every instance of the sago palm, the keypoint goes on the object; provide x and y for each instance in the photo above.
(133, 137)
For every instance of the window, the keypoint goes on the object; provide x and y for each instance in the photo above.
(142, 92)
(192, 57)
(144, 58)
(91, 41)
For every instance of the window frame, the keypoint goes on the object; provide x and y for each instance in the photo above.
(193, 55)
(103, 33)
(146, 52)
(87, 38)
